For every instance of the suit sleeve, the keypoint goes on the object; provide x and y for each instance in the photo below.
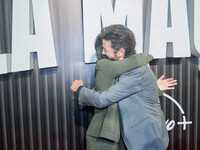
(128, 84)
(113, 69)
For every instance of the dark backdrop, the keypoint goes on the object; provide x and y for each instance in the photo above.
(38, 110)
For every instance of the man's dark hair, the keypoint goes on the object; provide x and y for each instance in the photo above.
(120, 37)
(99, 47)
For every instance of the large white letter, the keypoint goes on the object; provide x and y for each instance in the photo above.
(5, 63)
(95, 11)
(177, 34)
(196, 46)
(23, 43)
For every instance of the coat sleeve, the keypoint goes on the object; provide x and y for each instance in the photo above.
(128, 84)
(113, 69)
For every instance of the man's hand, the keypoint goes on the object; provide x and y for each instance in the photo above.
(166, 84)
(76, 84)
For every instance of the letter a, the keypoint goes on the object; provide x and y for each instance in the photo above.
(23, 43)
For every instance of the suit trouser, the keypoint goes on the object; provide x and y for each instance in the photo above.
(93, 143)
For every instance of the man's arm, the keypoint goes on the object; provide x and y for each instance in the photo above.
(112, 69)
(114, 94)
(85, 99)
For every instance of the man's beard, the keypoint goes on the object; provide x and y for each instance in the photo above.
(115, 58)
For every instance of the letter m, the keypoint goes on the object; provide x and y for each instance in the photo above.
(101, 13)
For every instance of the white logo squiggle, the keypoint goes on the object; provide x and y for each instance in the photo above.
(171, 124)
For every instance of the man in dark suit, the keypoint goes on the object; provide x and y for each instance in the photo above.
(143, 122)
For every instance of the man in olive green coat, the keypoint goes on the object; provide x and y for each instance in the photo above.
(104, 129)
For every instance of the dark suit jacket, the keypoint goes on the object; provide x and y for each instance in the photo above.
(105, 122)
(142, 119)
